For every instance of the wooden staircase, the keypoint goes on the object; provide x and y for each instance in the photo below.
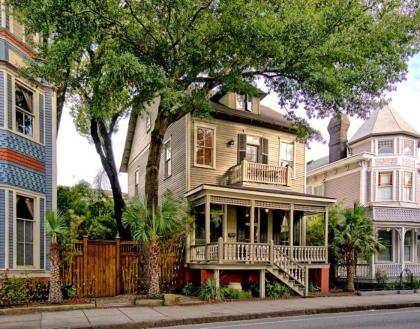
(289, 272)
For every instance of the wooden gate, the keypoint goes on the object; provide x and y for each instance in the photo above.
(98, 268)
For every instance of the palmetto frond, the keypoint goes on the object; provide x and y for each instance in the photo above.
(55, 225)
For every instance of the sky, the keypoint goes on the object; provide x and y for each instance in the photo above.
(77, 159)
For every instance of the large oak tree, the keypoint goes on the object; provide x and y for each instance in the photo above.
(328, 56)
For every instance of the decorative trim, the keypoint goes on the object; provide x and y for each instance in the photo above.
(41, 119)
(230, 201)
(15, 175)
(10, 140)
(272, 205)
(2, 109)
(21, 160)
(306, 208)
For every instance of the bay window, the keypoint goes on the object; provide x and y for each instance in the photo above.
(408, 147)
(408, 186)
(385, 186)
(386, 146)
(24, 110)
(204, 147)
(24, 231)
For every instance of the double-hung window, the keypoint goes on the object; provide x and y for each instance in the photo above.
(385, 186)
(408, 147)
(386, 146)
(168, 158)
(24, 231)
(24, 110)
(385, 237)
(244, 102)
(408, 186)
(287, 152)
(252, 148)
(204, 146)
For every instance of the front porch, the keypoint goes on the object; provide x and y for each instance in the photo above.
(243, 228)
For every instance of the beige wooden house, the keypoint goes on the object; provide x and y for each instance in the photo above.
(244, 172)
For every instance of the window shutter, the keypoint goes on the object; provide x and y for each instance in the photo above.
(241, 147)
(264, 150)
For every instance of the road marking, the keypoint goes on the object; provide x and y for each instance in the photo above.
(311, 318)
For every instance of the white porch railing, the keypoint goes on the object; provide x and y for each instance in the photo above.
(392, 270)
(258, 173)
(414, 268)
(363, 271)
(237, 252)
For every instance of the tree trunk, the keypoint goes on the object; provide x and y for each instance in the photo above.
(154, 269)
(103, 144)
(153, 162)
(55, 296)
(350, 264)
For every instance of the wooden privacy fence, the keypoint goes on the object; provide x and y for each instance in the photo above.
(99, 268)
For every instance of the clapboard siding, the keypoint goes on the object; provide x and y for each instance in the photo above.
(226, 156)
(2, 228)
(345, 188)
(362, 147)
(2, 107)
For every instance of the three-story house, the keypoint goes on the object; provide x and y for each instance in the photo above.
(244, 172)
(379, 168)
(27, 154)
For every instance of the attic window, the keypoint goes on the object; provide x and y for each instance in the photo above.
(244, 102)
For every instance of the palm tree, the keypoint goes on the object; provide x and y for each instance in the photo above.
(168, 222)
(354, 239)
(55, 227)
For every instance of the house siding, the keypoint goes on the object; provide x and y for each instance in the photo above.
(2, 108)
(362, 147)
(11, 227)
(2, 228)
(345, 189)
(227, 156)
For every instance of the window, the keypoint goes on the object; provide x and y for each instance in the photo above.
(408, 186)
(168, 158)
(252, 148)
(408, 246)
(386, 146)
(24, 110)
(385, 186)
(244, 102)
(148, 122)
(204, 152)
(286, 154)
(24, 231)
(136, 182)
(318, 190)
(408, 147)
(385, 255)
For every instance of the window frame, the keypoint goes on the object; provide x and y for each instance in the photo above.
(391, 246)
(35, 232)
(35, 113)
(167, 160)
(379, 185)
(291, 164)
(385, 140)
(246, 101)
(413, 145)
(256, 143)
(136, 182)
(411, 187)
(198, 125)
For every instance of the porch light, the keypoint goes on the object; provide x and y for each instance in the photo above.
(267, 210)
(246, 215)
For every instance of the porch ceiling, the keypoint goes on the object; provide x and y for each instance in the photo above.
(269, 198)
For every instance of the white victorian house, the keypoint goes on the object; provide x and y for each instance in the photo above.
(378, 167)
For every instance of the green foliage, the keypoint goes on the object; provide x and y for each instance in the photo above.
(209, 291)
(55, 225)
(230, 293)
(313, 287)
(276, 289)
(170, 221)
(87, 211)
(382, 278)
(190, 290)
(17, 291)
(315, 230)
(68, 291)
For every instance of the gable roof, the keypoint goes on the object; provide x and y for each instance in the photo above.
(384, 121)
(267, 117)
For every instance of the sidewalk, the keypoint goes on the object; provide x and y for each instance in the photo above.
(148, 317)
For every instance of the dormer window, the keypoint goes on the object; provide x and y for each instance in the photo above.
(244, 102)
(386, 146)
(408, 147)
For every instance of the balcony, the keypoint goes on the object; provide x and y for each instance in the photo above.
(251, 172)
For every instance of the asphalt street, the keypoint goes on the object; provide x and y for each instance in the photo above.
(385, 319)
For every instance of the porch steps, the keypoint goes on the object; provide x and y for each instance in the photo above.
(288, 281)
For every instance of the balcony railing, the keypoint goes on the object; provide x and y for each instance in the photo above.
(241, 252)
(251, 172)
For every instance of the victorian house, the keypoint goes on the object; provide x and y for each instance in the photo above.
(379, 168)
(27, 154)
(244, 172)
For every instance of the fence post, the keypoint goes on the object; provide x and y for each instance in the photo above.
(117, 262)
(85, 266)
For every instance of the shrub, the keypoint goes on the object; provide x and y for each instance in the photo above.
(209, 290)
(68, 291)
(276, 289)
(230, 293)
(17, 291)
(190, 290)
(313, 287)
(381, 278)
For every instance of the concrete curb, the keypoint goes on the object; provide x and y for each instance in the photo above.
(250, 316)
(45, 308)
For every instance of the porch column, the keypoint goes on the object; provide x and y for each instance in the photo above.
(292, 209)
(326, 234)
(217, 278)
(262, 283)
(224, 225)
(303, 231)
(402, 237)
(207, 219)
(252, 221)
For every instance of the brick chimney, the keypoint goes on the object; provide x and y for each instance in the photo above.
(337, 128)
